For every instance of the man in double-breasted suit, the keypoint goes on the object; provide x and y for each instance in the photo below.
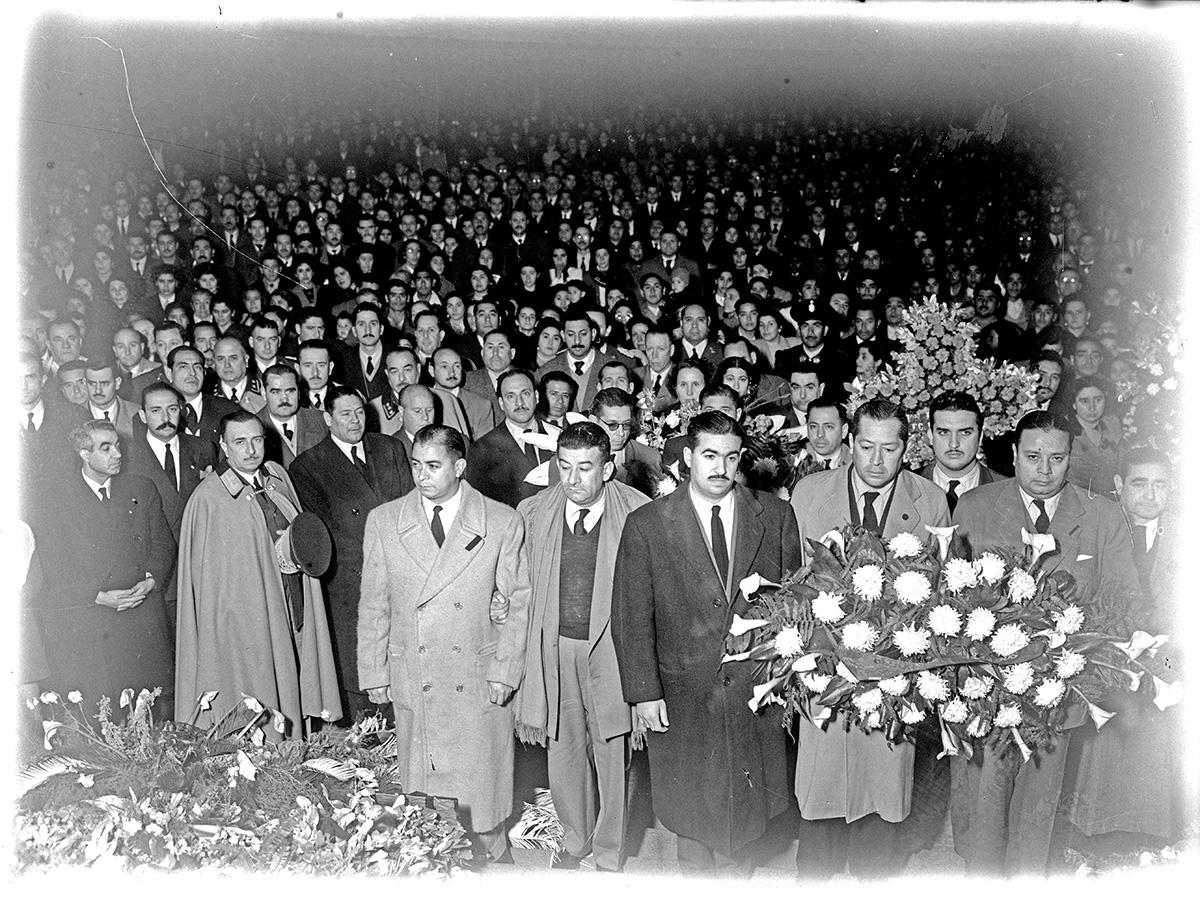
(717, 770)
(431, 640)
(499, 461)
(571, 699)
(852, 787)
(342, 479)
(1003, 809)
(107, 551)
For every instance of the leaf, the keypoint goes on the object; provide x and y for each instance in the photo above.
(341, 770)
(47, 768)
(823, 561)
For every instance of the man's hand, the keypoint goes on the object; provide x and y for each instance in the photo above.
(381, 695)
(498, 608)
(119, 599)
(651, 715)
(499, 693)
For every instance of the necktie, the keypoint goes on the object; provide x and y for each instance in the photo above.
(103, 495)
(169, 467)
(107, 418)
(233, 395)
(435, 526)
(360, 462)
(258, 486)
(1042, 523)
(579, 529)
(829, 463)
(370, 367)
(31, 427)
(578, 367)
(316, 399)
(693, 356)
(288, 433)
(720, 551)
(869, 520)
(530, 451)
(137, 267)
(1141, 535)
(657, 383)
(190, 419)
(952, 494)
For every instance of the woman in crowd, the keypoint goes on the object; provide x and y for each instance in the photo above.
(1096, 445)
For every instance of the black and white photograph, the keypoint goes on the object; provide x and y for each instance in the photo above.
(673, 446)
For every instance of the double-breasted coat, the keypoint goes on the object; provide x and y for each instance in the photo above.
(425, 631)
(849, 774)
(718, 774)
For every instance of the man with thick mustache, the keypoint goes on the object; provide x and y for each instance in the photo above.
(580, 360)
(501, 459)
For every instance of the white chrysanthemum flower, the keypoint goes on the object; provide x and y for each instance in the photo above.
(944, 620)
(828, 607)
(960, 574)
(912, 715)
(932, 687)
(816, 682)
(672, 419)
(1070, 664)
(868, 582)
(869, 701)
(1049, 692)
(1021, 586)
(49, 697)
(1009, 639)
(789, 643)
(1008, 716)
(976, 687)
(1069, 621)
(906, 544)
(980, 623)
(911, 641)
(860, 636)
(991, 568)
(912, 588)
(665, 486)
(955, 711)
(75, 697)
(1170, 384)
(1152, 389)
(895, 686)
(978, 727)
(1018, 678)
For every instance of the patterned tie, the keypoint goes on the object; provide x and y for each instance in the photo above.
(952, 494)
(719, 549)
(435, 526)
(869, 520)
(316, 399)
(169, 467)
(1042, 523)
(579, 529)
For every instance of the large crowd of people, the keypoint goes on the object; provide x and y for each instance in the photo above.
(455, 351)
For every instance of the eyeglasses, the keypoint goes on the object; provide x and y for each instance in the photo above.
(625, 426)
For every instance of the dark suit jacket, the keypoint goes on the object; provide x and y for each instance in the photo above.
(352, 374)
(310, 430)
(497, 467)
(591, 381)
(46, 456)
(330, 486)
(195, 455)
(87, 547)
(213, 409)
(986, 476)
(670, 616)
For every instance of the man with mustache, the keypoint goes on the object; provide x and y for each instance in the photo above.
(580, 360)
(290, 428)
(501, 459)
(717, 770)
(239, 579)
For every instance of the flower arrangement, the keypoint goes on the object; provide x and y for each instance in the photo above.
(939, 355)
(1154, 398)
(889, 634)
(655, 428)
(170, 796)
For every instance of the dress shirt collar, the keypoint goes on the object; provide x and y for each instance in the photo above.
(703, 507)
(96, 486)
(966, 480)
(345, 448)
(860, 488)
(587, 361)
(159, 447)
(698, 349)
(449, 509)
(595, 511)
(240, 388)
(518, 431)
(39, 414)
(1051, 504)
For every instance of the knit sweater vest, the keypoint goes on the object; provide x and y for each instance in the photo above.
(576, 579)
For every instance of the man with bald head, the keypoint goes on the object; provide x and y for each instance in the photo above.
(461, 408)
(136, 372)
(418, 408)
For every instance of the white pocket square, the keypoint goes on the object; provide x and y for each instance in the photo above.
(1083, 557)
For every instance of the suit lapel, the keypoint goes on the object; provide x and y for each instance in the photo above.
(748, 534)
(1067, 527)
(464, 540)
(688, 537)
(416, 539)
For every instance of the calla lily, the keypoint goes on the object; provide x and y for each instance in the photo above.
(943, 534)
(278, 721)
(752, 583)
(1167, 695)
(734, 658)
(1141, 643)
(49, 727)
(246, 767)
(821, 716)
(844, 671)
(1054, 639)
(1041, 543)
(206, 699)
(258, 737)
(1099, 715)
(127, 698)
(832, 537)
(805, 664)
(950, 743)
(252, 704)
(761, 691)
(1135, 679)
(1020, 743)
(741, 626)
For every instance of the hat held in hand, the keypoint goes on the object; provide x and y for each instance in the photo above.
(304, 546)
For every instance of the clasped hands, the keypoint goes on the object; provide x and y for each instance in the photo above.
(498, 694)
(126, 599)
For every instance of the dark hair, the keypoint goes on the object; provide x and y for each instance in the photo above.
(1043, 420)
(826, 401)
(279, 369)
(72, 365)
(238, 415)
(578, 312)
(612, 397)
(365, 307)
(712, 422)
(880, 409)
(447, 436)
(805, 367)
(176, 351)
(95, 364)
(315, 344)
(1141, 456)
(584, 436)
(160, 387)
(955, 402)
(509, 373)
(719, 389)
(337, 392)
(746, 365)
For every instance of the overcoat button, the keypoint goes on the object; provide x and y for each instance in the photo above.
(426, 687)
(725, 681)
(458, 605)
(456, 648)
(458, 688)
(717, 602)
(421, 649)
